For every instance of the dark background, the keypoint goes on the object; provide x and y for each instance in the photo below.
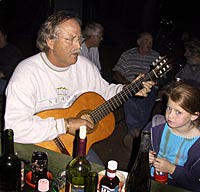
(122, 21)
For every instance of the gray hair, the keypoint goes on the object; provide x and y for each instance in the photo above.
(92, 29)
(50, 28)
(143, 34)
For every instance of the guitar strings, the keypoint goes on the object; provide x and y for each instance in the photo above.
(60, 145)
(124, 95)
(129, 91)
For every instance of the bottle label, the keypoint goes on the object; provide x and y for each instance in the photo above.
(75, 188)
(22, 175)
(111, 175)
(107, 189)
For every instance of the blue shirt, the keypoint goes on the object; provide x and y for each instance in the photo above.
(174, 147)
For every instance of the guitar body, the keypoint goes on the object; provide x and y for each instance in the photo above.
(83, 105)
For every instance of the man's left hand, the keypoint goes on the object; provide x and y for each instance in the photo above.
(147, 88)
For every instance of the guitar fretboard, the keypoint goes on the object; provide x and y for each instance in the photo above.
(130, 90)
(116, 101)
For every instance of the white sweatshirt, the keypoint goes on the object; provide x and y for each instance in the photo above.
(37, 85)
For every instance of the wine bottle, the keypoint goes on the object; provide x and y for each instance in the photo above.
(110, 182)
(138, 179)
(79, 167)
(10, 165)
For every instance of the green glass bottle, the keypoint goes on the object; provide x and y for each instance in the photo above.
(92, 182)
(10, 165)
(138, 179)
(79, 167)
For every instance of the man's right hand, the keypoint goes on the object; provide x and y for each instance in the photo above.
(73, 124)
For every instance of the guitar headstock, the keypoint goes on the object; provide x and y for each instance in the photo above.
(161, 66)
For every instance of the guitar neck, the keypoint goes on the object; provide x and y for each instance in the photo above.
(116, 101)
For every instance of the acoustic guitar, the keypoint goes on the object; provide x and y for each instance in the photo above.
(93, 104)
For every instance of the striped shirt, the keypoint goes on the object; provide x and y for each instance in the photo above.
(131, 63)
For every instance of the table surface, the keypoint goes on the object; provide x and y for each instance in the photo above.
(57, 163)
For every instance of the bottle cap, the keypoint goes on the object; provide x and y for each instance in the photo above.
(43, 185)
(82, 132)
(112, 165)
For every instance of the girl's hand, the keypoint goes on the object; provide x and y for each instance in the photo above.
(163, 165)
(152, 157)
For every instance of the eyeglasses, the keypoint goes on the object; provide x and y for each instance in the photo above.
(73, 40)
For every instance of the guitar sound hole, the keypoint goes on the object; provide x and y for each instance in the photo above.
(85, 114)
(92, 130)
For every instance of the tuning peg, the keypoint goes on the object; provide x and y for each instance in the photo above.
(153, 63)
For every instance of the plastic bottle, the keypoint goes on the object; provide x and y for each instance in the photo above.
(110, 181)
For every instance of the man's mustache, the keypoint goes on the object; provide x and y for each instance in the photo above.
(76, 51)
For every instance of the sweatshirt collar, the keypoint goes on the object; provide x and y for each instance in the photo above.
(50, 65)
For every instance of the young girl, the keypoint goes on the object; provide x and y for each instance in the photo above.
(176, 138)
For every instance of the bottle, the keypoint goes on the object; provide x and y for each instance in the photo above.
(39, 169)
(110, 182)
(78, 168)
(161, 177)
(10, 165)
(92, 182)
(39, 166)
(138, 180)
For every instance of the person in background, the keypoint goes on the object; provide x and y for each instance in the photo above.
(190, 70)
(54, 79)
(92, 36)
(190, 73)
(131, 63)
(176, 138)
(10, 55)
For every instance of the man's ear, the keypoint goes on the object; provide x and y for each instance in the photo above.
(50, 43)
(138, 42)
(198, 58)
